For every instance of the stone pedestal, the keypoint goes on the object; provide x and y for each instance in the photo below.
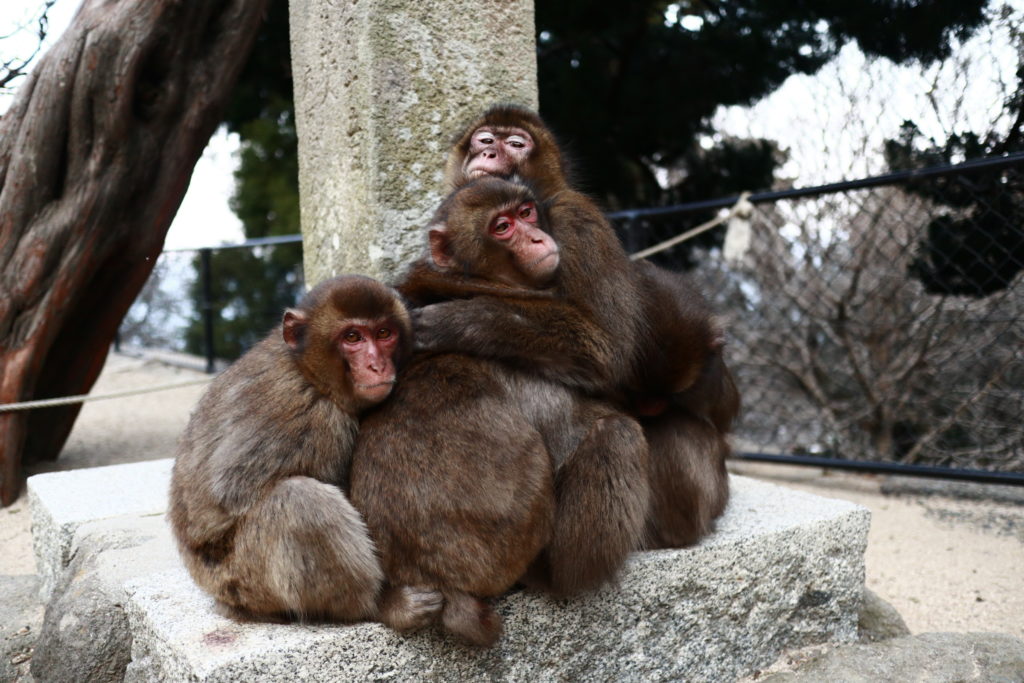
(784, 570)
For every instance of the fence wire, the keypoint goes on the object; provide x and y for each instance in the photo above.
(878, 321)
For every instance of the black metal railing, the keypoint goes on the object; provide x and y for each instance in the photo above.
(184, 282)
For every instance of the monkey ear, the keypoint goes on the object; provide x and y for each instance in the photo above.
(439, 246)
(293, 328)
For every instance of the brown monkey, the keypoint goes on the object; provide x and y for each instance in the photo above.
(257, 500)
(662, 346)
(454, 474)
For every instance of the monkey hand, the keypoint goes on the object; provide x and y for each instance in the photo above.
(452, 326)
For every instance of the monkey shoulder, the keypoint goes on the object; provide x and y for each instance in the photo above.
(458, 376)
(258, 421)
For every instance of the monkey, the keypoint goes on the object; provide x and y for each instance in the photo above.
(649, 340)
(257, 500)
(477, 474)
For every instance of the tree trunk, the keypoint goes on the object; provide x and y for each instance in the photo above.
(95, 155)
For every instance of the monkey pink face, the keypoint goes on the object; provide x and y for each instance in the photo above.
(534, 253)
(496, 150)
(368, 348)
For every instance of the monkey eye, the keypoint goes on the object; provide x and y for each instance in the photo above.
(502, 227)
(528, 212)
(352, 337)
(516, 141)
(384, 333)
(485, 138)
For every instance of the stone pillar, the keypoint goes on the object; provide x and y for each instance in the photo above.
(380, 88)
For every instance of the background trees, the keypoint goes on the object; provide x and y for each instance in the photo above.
(841, 352)
(252, 287)
(633, 90)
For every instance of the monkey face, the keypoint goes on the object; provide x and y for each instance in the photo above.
(347, 337)
(368, 347)
(533, 253)
(497, 150)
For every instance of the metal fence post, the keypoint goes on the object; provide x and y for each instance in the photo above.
(204, 255)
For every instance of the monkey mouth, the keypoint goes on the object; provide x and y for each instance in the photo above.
(551, 254)
(377, 385)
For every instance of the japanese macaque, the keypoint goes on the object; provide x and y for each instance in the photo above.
(477, 474)
(258, 503)
(647, 337)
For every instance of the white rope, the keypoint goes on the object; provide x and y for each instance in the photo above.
(742, 206)
(84, 398)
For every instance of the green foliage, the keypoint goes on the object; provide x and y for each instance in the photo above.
(977, 246)
(251, 287)
(631, 87)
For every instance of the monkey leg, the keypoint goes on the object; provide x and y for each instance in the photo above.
(303, 551)
(470, 618)
(602, 495)
(689, 482)
(407, 608)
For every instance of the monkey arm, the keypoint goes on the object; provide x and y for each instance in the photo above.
(551, 339)
(424, 284)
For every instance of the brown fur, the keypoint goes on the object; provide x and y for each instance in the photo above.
(454, 475)
(257, 500)
(646, 338)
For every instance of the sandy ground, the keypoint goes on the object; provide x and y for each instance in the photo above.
(948, 561)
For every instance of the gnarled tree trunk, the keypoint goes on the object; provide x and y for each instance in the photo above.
(95, 155)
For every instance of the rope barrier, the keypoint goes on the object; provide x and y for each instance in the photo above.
(85, 398)
(742, 207)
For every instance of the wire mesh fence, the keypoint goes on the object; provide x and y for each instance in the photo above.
(880, 320)
(877, 320)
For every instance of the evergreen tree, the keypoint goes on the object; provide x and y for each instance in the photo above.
(977, 246)
(631, 87)
(250, 287)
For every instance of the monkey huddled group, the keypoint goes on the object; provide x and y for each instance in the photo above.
(559, 407)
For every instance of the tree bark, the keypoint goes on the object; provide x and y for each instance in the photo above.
(96, 153)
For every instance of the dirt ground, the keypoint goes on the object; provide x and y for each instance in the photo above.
(949, 558)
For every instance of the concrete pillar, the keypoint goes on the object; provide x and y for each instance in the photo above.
(380, 88)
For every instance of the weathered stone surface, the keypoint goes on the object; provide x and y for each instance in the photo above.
(60, 502)
(21, 617)
(85, 635)
(785, 569)
(932, 657)
(879, 620)
(380, 88)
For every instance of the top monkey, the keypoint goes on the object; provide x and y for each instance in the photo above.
(507, 140)
(650, 342)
